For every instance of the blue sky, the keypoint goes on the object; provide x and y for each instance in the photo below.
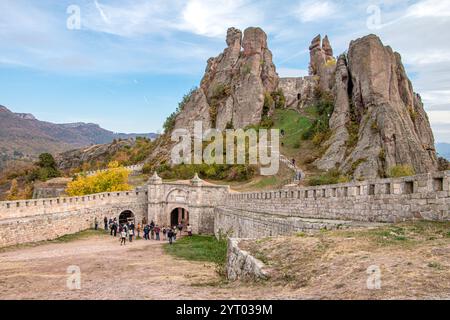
(130, 63)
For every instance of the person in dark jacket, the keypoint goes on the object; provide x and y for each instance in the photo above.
(170, 236)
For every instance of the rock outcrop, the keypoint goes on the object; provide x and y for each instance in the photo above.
(378, 122)
(232, 90)
(322, 63)
(373, 93)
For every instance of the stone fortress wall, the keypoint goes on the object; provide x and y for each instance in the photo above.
(134, 170)
(214, 208)
(280, 212)
(45, 219)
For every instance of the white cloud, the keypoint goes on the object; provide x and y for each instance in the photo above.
(128, 18)
(213, 17)
(429, 8)
(309, 11)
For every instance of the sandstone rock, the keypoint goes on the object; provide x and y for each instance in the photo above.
(393, 126)
(335, 154)
(232, 89)
(322, 63)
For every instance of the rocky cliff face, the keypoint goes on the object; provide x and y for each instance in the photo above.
(231, 93)
(378, 122)
(373, 95)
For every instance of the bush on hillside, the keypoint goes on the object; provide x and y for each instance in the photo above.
(401, 171)
(113, 179)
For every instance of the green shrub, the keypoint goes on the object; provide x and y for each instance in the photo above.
(331, 177)
(324, 109)
(279, 99)
(401, 171)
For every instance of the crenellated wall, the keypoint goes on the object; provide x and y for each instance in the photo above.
(259, 214)
(46, 219)
(214, 208)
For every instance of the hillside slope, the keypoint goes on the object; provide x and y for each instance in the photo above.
(22, 136)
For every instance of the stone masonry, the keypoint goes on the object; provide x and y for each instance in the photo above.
(212, 208)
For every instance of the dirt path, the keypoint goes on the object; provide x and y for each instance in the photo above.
(140, 270)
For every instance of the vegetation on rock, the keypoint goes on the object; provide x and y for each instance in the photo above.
(401, 171)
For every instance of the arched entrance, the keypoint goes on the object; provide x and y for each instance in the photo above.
(126, 216)
(179, 215)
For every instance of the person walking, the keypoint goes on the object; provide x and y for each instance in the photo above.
(152, 232)
(174, 232)
(170, 236)
(105, 222)
(138, 229)
(146, 231)
(164, 232)
(157, 230)
(180, 228)
(131, 234)
(123, 237)
(189, 230)
(95, 223)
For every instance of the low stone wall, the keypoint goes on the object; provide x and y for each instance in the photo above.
(385, 200)
(134, 170)
(241, 265)
(48, 219)
(246, 224)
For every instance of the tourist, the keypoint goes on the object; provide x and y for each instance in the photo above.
(174, 231)
(95, 223)
(152, 232)
(170, 235)
(189, 230)
(146, 231)
(138, 229)
(164, 232)
(111, 227)
(105, 222)
(123, 236)
(152, 225)
(157, 230)
(180, 227)
(130, 234)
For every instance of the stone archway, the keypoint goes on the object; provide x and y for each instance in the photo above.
(126, 216)
(179, 215)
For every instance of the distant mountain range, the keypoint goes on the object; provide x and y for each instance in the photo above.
(443, 149)
(22, 136)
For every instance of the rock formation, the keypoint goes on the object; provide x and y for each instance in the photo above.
(373, 93)
(232, 90)
(378, 122)
(322, 63)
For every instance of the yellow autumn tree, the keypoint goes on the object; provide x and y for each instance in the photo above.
(113, 179)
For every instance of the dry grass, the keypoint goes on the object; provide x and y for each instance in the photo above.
(414, 259)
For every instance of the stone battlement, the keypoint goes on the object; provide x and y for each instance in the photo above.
(135, 169)
(211, 208)
(25, 208)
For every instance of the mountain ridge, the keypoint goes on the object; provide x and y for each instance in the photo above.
(22, 136)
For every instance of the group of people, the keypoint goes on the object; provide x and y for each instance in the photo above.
(151, 231)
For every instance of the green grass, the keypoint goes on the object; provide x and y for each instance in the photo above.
(201, 248)
(293, 124)
(266, 182)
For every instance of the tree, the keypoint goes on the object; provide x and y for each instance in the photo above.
(46, 160)
(113, 179)
(47, 168)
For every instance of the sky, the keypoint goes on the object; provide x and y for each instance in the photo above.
(126, 64)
